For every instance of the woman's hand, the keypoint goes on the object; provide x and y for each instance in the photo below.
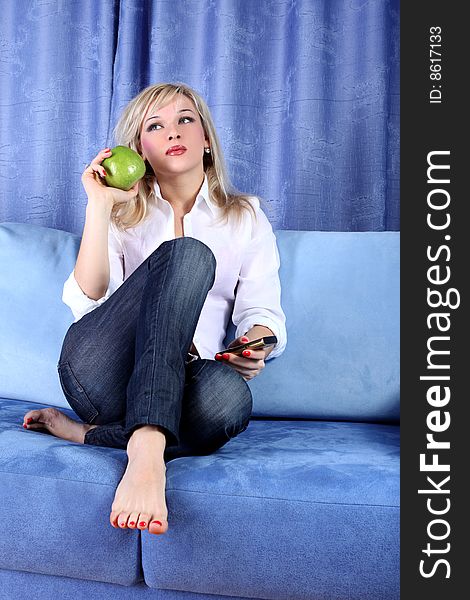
(97, 191)
(249, 365)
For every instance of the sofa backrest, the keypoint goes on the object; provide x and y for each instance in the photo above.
(35, 261)
(339, 292)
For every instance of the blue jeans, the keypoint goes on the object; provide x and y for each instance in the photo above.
(124, 364)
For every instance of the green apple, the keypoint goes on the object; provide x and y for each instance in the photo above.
(124, 168)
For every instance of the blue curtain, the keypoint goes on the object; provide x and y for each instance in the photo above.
(304, 94)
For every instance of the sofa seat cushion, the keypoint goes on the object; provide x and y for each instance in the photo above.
(55, 501)
(287, 510)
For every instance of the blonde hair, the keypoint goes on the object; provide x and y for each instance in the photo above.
(127, 133)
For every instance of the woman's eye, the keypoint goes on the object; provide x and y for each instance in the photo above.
(157, 126)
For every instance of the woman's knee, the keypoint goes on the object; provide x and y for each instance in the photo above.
(191, 266)
(194, 250)
(221, 399)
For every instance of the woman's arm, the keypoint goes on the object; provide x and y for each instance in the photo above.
(92, 266)
(258, 297)
(79, 302)
(92, 269)
(99, 269)
(257, 308)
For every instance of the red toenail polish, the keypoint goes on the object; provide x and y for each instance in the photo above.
(25, 426)
(132, 523)
(123, 524)
(142, 523)
(157, 522)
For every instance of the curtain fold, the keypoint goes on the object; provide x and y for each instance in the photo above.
(304, 95)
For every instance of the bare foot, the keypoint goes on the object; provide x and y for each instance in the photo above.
(139, 502)
(57, 423)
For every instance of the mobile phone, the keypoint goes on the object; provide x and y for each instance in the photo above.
(259, 344)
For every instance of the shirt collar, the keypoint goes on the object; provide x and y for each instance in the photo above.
(203, 195)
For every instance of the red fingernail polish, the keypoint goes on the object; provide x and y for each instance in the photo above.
(245, 339)
(29, 419)
(225, 356)
(218, 357)
(25, 426)
(246, 353)
(157, 522)
(142, 523)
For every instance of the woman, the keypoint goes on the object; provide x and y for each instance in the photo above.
(161, 269)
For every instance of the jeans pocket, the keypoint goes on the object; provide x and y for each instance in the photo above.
(75, 394)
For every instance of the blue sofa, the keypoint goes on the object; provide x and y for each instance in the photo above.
(304, 504)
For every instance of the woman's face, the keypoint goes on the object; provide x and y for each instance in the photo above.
(172, 138)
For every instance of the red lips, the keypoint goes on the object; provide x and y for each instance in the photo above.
(175, 150)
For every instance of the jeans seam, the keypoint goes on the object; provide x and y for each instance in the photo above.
(154, 319)
(77, 383)
(83, 400)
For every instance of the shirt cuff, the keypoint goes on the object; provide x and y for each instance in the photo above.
(76, 299)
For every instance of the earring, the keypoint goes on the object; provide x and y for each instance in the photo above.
(207, 150)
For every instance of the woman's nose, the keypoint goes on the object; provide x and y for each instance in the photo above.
(174, 135)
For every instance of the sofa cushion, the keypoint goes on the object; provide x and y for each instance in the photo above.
(287, 510)
(55, 502)
(35, 261)
(22, 585)
(341, 294)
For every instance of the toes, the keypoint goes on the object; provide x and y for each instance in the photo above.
(34, 425)
(143, 521)
(122, 520)
(158, 526)
(138, 521)
(113, 518)
(40, 417)
(32, 416)
(132, 521)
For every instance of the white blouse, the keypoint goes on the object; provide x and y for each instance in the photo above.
(246, 255)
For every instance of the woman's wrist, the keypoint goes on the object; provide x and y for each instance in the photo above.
(104, 204)
(258, 331)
